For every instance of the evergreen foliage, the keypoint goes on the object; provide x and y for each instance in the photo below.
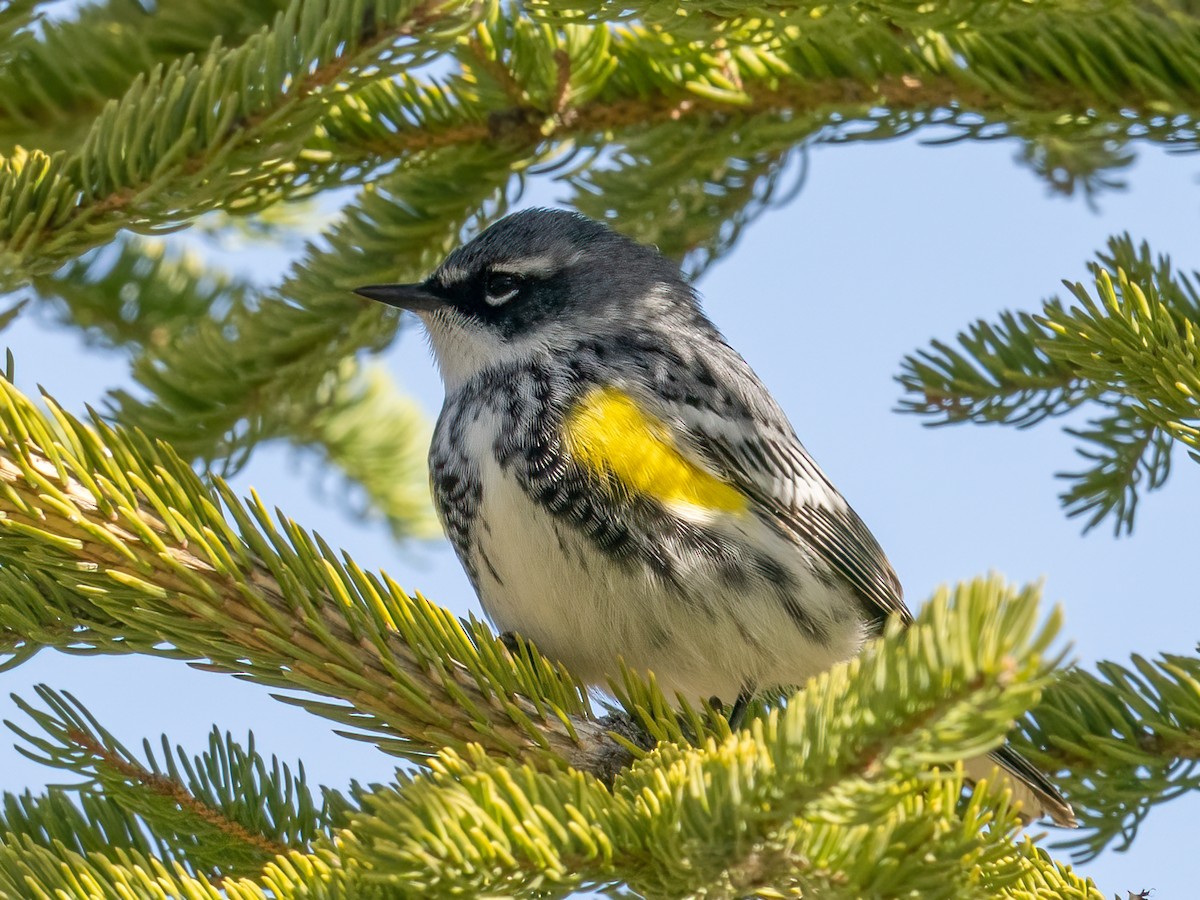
(124, 121)
(1129, 348)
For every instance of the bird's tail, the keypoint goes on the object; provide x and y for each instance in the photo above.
(1039, 798)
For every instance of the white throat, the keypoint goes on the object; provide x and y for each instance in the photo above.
(463, 349)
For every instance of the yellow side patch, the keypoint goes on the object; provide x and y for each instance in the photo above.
(607, 433)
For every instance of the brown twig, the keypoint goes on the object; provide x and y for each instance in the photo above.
(164, 787)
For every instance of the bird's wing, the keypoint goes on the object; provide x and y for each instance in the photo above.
(753, 448)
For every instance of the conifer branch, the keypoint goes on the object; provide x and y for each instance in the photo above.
(683, 128)
(785, 805)
(146, 163)
(17, 18)
(160, 787)
(226, 811)
(974, 113)
(1001, 374)
(798, 793)
(901, 15)
(146, 178)
(83, 823)
(1128, 347)
(126, 538)
(130, 874)
(615, 83)
(123, 531)
(833, 66)
(379, 439)
(53, 84)
(1123, 740)
(222, 383)
(142, 298)
(138, 292)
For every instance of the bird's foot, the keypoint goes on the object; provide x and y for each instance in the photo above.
(737, 715)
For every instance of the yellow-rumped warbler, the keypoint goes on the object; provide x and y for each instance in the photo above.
(617, 482)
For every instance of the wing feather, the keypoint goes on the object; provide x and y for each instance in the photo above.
(797, 495)
(749, 444)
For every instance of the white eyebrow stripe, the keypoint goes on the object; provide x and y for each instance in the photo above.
(533, 266)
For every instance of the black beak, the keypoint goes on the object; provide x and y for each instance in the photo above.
(416, 297)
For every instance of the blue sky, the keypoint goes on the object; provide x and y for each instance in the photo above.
(887, 246)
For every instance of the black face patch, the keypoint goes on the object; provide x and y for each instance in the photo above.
(506, 302)
(537, 265)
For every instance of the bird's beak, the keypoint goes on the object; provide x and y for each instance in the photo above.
(416, 297)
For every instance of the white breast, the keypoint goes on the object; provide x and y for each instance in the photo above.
(539, 577)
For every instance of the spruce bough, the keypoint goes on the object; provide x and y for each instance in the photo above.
(121, 122)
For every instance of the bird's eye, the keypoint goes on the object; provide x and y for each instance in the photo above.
(501, 287)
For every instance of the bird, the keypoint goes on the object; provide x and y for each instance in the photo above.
(618, 483)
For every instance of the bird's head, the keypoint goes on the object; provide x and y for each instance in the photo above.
(534, 282)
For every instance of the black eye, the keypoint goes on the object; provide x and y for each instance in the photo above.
(500, 287)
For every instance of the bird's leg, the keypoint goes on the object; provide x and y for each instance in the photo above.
(740, 705)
